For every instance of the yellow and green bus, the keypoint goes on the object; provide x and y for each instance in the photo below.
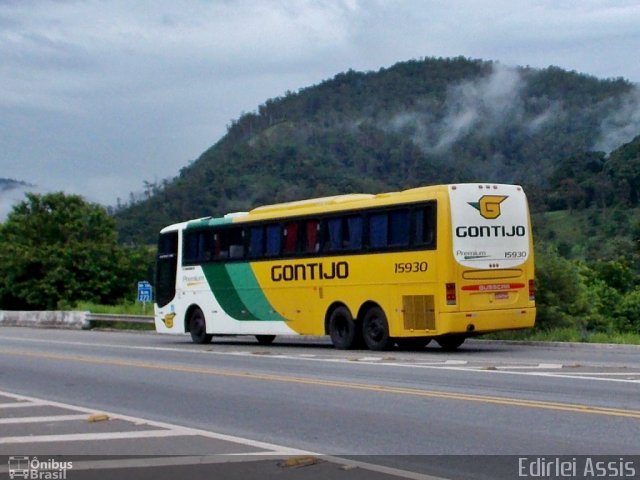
(439, 262)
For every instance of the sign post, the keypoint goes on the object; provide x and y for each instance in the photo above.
(145, 293)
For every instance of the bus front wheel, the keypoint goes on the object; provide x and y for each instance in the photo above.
(198, 328)
(375, 329)
(342, 329)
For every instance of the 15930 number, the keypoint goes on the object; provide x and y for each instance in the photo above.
(410, 267)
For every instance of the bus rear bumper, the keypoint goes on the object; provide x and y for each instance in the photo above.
(486, 321)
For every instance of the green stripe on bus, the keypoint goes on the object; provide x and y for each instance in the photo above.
(250, 293)
(225, 292)
(237, 291)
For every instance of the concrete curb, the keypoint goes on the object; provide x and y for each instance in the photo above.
(56, 319)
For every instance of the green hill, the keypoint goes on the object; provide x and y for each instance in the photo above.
(418, 122)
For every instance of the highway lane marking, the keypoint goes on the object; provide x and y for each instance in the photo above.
(75, 437)
(183, 431)
(168, 430)
(22, 404)
(451, 365)
(506, 401)
(48, 419)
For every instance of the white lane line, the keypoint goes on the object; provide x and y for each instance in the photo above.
(456, 362)
(23, 404)
(184, 431)
(277, 451)
(540, 366)
(578, 377)
(76, 437)
(603, 374)
(54, 418)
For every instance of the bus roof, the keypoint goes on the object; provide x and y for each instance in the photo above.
(316, 205)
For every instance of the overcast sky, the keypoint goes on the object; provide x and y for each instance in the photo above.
(98, 96)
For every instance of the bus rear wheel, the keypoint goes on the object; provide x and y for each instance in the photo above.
(343, 329)
(198, 328)
(451, 342)
(375, 330)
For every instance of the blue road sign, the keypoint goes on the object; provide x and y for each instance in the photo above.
(145, 292)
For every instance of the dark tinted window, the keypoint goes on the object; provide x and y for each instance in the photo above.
(425, 226)
(256, 242)
(343, 233)
(274, 240)
(198, 246)
(378, 230)
(228, 243)
(399, 228)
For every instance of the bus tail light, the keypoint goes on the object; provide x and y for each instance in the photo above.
(532, 290)
(451, 293)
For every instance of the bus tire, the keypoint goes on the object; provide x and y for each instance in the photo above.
(451, 342)
(343, 329)
(198, 328)
(265, 339)
(375, 330)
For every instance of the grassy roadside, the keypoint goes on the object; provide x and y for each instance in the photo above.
(567, 335)
(133, 308)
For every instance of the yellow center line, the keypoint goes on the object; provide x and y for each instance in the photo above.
(514, 402)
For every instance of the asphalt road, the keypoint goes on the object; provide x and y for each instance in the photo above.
(398, 409)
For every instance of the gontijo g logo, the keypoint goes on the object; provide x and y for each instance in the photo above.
(489, 205)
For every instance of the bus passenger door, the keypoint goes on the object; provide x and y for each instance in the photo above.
(166, 268)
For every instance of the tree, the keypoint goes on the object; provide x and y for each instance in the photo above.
(57, 248)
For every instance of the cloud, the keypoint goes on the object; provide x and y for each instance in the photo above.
(622, 126)
(13, 193)
(483, 106)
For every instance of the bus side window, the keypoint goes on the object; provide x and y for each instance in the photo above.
(343, 233)
(399, 228)
(290, 237)
(354, 227)
(256, 242)
(236, 242)
(229, 243)
(274, 240)
(190, 248)
(334, 233)
(378, 230)
(197, 246)
(311, 244)
(425, 226)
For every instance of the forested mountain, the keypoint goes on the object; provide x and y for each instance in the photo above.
(415, 123)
